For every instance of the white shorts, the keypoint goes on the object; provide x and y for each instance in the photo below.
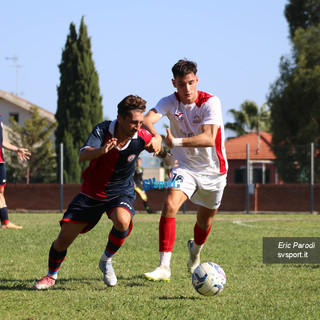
(201, 189)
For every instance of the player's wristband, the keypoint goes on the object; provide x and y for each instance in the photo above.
(176, 142)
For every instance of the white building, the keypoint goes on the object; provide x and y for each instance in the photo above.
(14, 106)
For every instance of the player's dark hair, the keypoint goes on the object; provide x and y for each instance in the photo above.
(129, 104)
(184, 67)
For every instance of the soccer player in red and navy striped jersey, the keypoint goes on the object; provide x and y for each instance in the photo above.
(196, 139)
(112, 149)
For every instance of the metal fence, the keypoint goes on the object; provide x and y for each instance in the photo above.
(292, 164)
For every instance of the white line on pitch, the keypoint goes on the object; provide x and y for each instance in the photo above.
(241, 223)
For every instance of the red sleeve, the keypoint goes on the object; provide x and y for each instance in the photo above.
(145, 135)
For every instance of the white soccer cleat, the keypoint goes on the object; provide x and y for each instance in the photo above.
(109, 276)
(45, 283)
(194, 259)
(161, 273)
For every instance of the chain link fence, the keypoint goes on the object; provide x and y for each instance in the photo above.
(292, 165)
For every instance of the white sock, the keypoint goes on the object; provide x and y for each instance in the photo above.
(105, 258)
(165, 259)
(53, 276)
(195, 248)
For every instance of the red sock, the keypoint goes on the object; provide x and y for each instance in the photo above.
(200, 236)
(167, 234)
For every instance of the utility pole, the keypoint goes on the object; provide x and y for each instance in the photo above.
(14, 58)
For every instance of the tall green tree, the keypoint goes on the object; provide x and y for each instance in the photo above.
(36, 135)
(294, 102)
(249, 118)
(79, 100)
(302, 14)
(295, 97)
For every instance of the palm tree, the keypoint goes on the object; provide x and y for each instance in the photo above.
(250, 118)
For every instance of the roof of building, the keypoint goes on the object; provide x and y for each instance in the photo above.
(259, 147)
(26, 105)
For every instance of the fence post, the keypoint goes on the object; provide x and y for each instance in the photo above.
(311, 176)
(61, 177)
(248, 180)
(184, 208)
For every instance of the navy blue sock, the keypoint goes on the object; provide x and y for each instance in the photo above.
(55, 260)
(4, 215)
(116, 240)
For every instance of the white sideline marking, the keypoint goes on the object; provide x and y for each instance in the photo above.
(243, 224)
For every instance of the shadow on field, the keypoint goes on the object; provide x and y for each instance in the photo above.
(179, 298)
(66, 283)
(134, 281)
(309, 266)
(27, 285)
(18, 285)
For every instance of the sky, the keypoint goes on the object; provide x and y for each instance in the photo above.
(236, 44)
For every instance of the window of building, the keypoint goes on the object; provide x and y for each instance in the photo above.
(15, 116)
(241, 175)
(258, 175)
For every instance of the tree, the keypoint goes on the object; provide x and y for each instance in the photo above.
(36, 136)
(294, 102)
(302, 14)
(250, 118)
(79, 101)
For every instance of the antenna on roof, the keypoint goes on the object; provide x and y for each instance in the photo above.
(14, 58)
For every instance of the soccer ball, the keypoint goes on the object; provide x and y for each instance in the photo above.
(208, 279)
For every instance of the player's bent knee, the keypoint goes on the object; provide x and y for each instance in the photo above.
(170, 208)
(121, 219)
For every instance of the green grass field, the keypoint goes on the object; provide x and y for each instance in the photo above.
(254, 290)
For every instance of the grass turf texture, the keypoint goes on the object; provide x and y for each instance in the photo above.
(254, 290)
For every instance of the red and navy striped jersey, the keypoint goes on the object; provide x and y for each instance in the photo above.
(112, 173)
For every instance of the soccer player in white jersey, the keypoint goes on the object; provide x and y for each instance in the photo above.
(196, 139)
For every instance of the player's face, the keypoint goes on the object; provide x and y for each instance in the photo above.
(187, 87)
(130, 125)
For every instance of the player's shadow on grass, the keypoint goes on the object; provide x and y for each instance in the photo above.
(308, 266)
(27, 285)
(180, 298)
(134, 281)
(66, 283)
(16, 285)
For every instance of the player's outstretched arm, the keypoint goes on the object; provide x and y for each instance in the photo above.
(22, 153)
(204, 139)
(150, 118)
(90, 153)
(168, 159)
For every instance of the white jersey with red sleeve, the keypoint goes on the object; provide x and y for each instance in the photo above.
(187, 121)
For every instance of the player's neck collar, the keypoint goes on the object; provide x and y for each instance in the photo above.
(186, 105)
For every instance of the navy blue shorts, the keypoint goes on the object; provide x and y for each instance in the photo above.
(3, 180)
(84, 209)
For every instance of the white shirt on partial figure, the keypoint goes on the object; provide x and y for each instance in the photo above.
(187, 121)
